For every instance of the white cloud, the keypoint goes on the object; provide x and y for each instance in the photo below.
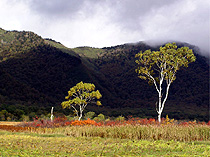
(187, 21)
(100, 23)
(16, 15)
(9, 18)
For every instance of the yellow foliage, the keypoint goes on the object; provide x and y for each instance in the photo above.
(168, 121)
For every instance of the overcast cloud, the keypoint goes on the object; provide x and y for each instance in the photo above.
(100, 23)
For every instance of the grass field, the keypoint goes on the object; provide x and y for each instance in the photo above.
(116, 141)
(32, 144)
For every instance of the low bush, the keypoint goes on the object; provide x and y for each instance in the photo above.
(100, 121)
(100, 117)
(89, 115)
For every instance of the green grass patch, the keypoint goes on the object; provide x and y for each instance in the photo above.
(88, 52)
(16, 144)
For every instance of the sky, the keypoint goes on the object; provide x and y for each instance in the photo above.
(103, 23)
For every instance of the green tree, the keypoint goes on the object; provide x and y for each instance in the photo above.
(3, 114)
(80, 96)
(18, 113)
(89, 115)
(162, 65)
(100, 117)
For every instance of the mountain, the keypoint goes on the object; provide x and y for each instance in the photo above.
(37, 73)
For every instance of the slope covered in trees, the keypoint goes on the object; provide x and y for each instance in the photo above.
(189, 94)
(118, 66)
(38, 72)
(36, 68)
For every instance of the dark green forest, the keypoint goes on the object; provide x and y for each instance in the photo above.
(36, 73)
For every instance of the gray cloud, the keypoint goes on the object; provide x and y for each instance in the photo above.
(100, 23)
(130, 12)
(55, 7)
(61, 9)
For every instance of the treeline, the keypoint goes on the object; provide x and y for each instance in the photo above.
(20, 112)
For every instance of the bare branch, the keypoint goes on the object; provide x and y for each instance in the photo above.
(154, 82)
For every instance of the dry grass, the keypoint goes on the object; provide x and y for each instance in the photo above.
(121, 140)
(150, 132)
(137, 132)
(10, 123)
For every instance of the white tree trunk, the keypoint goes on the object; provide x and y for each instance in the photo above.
(51, 117)
(81, 110)
(159, 111)
(162, 104)
(80, 116)
(159, 117)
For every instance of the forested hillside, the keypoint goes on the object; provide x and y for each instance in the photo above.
(34, 73)
(37, 73)
(189, 93)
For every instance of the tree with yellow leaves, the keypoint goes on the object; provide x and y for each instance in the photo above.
(162, 65)
(80, 96)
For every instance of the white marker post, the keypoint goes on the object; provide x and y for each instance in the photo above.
(52, 114)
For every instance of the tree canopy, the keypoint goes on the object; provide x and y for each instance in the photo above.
(157, 66)
(80, 96)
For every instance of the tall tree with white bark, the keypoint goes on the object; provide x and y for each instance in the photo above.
(80, 96)
(161, 66)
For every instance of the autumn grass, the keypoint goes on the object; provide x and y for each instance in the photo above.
(31, 144)
(10, 123)
(136, 132)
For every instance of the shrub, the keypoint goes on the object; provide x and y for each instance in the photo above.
(120, 118)
(100, 117)
(167, 121)
(89, 115)
(71, 118)
(25, 118)
(83, 122)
